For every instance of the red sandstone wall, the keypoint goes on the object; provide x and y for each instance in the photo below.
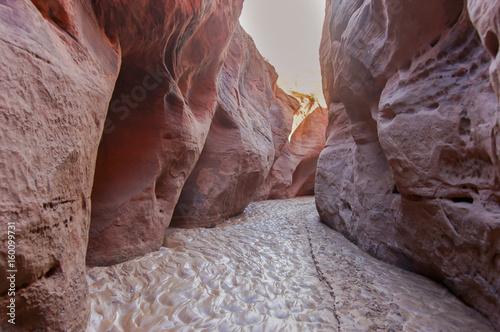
(252, 120)
(125, 90)
(58, 70)
(159, 117)
(410, 169)
(293, 173)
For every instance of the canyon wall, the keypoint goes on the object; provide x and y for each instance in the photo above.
(159, 117)
(293, 173)
(252, 120)
(58, 70)
(249, 134)
(108, 109)
(294, 168)
(123, 91)
(410, 171)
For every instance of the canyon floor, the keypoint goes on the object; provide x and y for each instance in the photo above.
(274, 268)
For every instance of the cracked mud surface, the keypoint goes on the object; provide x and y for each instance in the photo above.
(275, 268)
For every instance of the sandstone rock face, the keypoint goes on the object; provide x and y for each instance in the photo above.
(293, 173)
(158, 119)
(410, 169)
(485, 16)
(252, 121)
(282, 122)
(57, 75)
(143, 73)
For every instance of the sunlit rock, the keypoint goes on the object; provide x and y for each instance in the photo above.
(293, 173)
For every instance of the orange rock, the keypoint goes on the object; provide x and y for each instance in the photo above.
(293, 173)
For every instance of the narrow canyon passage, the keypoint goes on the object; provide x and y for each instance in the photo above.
(274, 268)
(124, 123)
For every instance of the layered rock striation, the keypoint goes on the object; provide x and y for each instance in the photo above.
(123, 91)
(410, 169)
(249, 134)
(106, 110)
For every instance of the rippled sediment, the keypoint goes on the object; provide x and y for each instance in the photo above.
(275, 268)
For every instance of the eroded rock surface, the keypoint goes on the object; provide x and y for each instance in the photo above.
(57, 73)
(158, 119)
(410, 170)
(293, 173)
(485, 15)
(251, 123)
(142, 76)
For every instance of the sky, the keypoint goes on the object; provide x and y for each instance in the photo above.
(288, 34)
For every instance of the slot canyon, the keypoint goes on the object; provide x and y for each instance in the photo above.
(155, 176)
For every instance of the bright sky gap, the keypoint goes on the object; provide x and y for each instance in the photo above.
(288, 34)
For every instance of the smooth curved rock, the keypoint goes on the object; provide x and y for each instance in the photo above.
(281, 116)
(57, 76)
(158, 119)
(60, 62)
(252, 121)
(293, 173)
(410, 171)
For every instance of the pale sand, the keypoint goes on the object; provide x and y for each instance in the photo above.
(275, 268)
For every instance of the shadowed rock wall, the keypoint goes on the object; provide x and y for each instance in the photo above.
(123, 89)
(249, 131)
(106, 109)
(410, 169)
(58, 70)
(159, 117)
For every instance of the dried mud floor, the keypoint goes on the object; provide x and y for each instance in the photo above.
(274, 268)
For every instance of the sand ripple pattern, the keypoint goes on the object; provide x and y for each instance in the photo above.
(275, 268)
